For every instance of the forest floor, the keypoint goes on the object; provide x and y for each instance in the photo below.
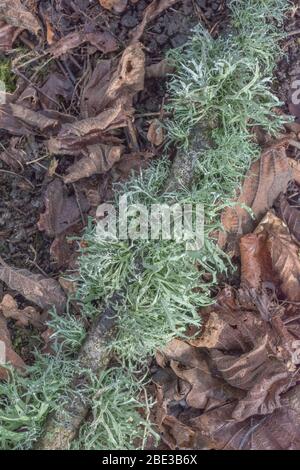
(65, 63)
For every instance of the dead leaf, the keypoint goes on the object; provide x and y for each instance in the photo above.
(16, 14)
(13, 156)
(52, 167)
(130, 163)
(20, 120)
(11, 356)
(284, 254)
(76, 137)
(55, 87)
(117, 6)
(42, 291)
(103, 41)
(234, 386)
(159, 70)
(62, 211)
(129, 77)
(291, 216)
(265, 180)
(63, 254)
(153, 10)
(279, 430)
(94, 99)
(155, 133)
(114, 84)
(50, 34)
(24, 317)
(100, 159)
(8, 35)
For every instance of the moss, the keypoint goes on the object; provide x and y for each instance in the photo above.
(6, 75)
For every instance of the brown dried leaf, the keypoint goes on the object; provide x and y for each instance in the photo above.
(16, 14)
(284, 255)
(129, 77)
(111, 84)
(13, 157)
(117, 6)
(19, 120)
(290, 215)
(265, 180)
(94, 99)
(250, 263)
(100, 159)
(277, 431)
(42, 291)
(50, 34)
(153, 10)
(159, 70)
(256, 262)
(62, 211)
(104, 42)
(10, 355)
(56, 86)
(8, 35)
(155, 133)
(130, 163)
(24, 317)
(253, 395)
(191, 367)
(75, 138)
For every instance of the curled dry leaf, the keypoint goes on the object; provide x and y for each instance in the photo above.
(112, 85)
(8, 35)
(62, 211)
(129, 77)
(13, 156)
(153, 10)
(104, 42)
(234, 387)
(62, 217)
(291, 216)
(42, 291)
(159, 70)
(117, 6)
(100, 159)
(13, 12)
(94, 99)
(75, 138)
(55, 87)
(50, 34)
(266, 179)
(271, 255)
(284, 254)
(20, 120)
(24, 317)
(155, 133)
(130, 163)
(11, 356)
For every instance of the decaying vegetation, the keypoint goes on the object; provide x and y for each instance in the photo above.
(231, 362)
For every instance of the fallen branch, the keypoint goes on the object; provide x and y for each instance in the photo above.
(62, 426)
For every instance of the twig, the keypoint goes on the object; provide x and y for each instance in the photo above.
(19, 176)
(20, 74)
(293, 33)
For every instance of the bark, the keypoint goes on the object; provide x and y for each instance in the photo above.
(61, 427)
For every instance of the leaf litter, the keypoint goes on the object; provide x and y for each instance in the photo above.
(68, 130)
